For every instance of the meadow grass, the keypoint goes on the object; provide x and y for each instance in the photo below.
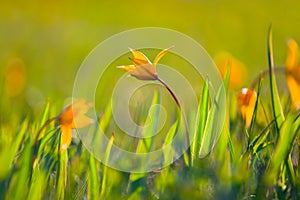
(248, 162)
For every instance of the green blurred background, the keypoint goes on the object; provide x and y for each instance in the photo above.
(52, 38)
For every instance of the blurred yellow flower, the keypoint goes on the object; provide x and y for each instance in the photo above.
(292, 69)
(247, 99)
(73, 116)
(238, 72)
(15, 77)
(142, 68)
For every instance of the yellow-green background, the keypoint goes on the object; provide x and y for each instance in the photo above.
(54, 37)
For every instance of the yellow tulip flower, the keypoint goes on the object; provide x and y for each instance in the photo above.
(73, 117)
(142, 68)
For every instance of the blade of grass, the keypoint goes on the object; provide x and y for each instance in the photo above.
(221, 152)
(226, 128)
(167, 145)
(93, 182)
(145, 145)
(255, 110)
(213, 123)
(43, 142)
(290, 169)
(250, 132)
(104, 169)
(43, 123)
(105, 118)
(260, 139)
(38, 185)
(45, 114)
(62, 172)
(282, 150)
(276, 105)
(97, 135)
(19, 184)
(9, 151)
(171, 133)
(200, 122)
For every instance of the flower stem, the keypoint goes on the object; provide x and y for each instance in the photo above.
(183, 115)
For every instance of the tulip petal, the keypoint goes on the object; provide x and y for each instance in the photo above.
(66, 116)
(66, 137)
(80, 107)
(293, 55)
(137, 62)
(294, 88)
(293, 72)
(247, 99)
(126, 67)
(82, 121)
(160, 55)
(73, 116)
(140, 56)
(143, 68)
(144, 72)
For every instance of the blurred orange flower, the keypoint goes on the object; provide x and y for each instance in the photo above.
(142, 68)
(15, 77)
(247, 99)
(292, 69)
(238, 70)
(73, 116)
